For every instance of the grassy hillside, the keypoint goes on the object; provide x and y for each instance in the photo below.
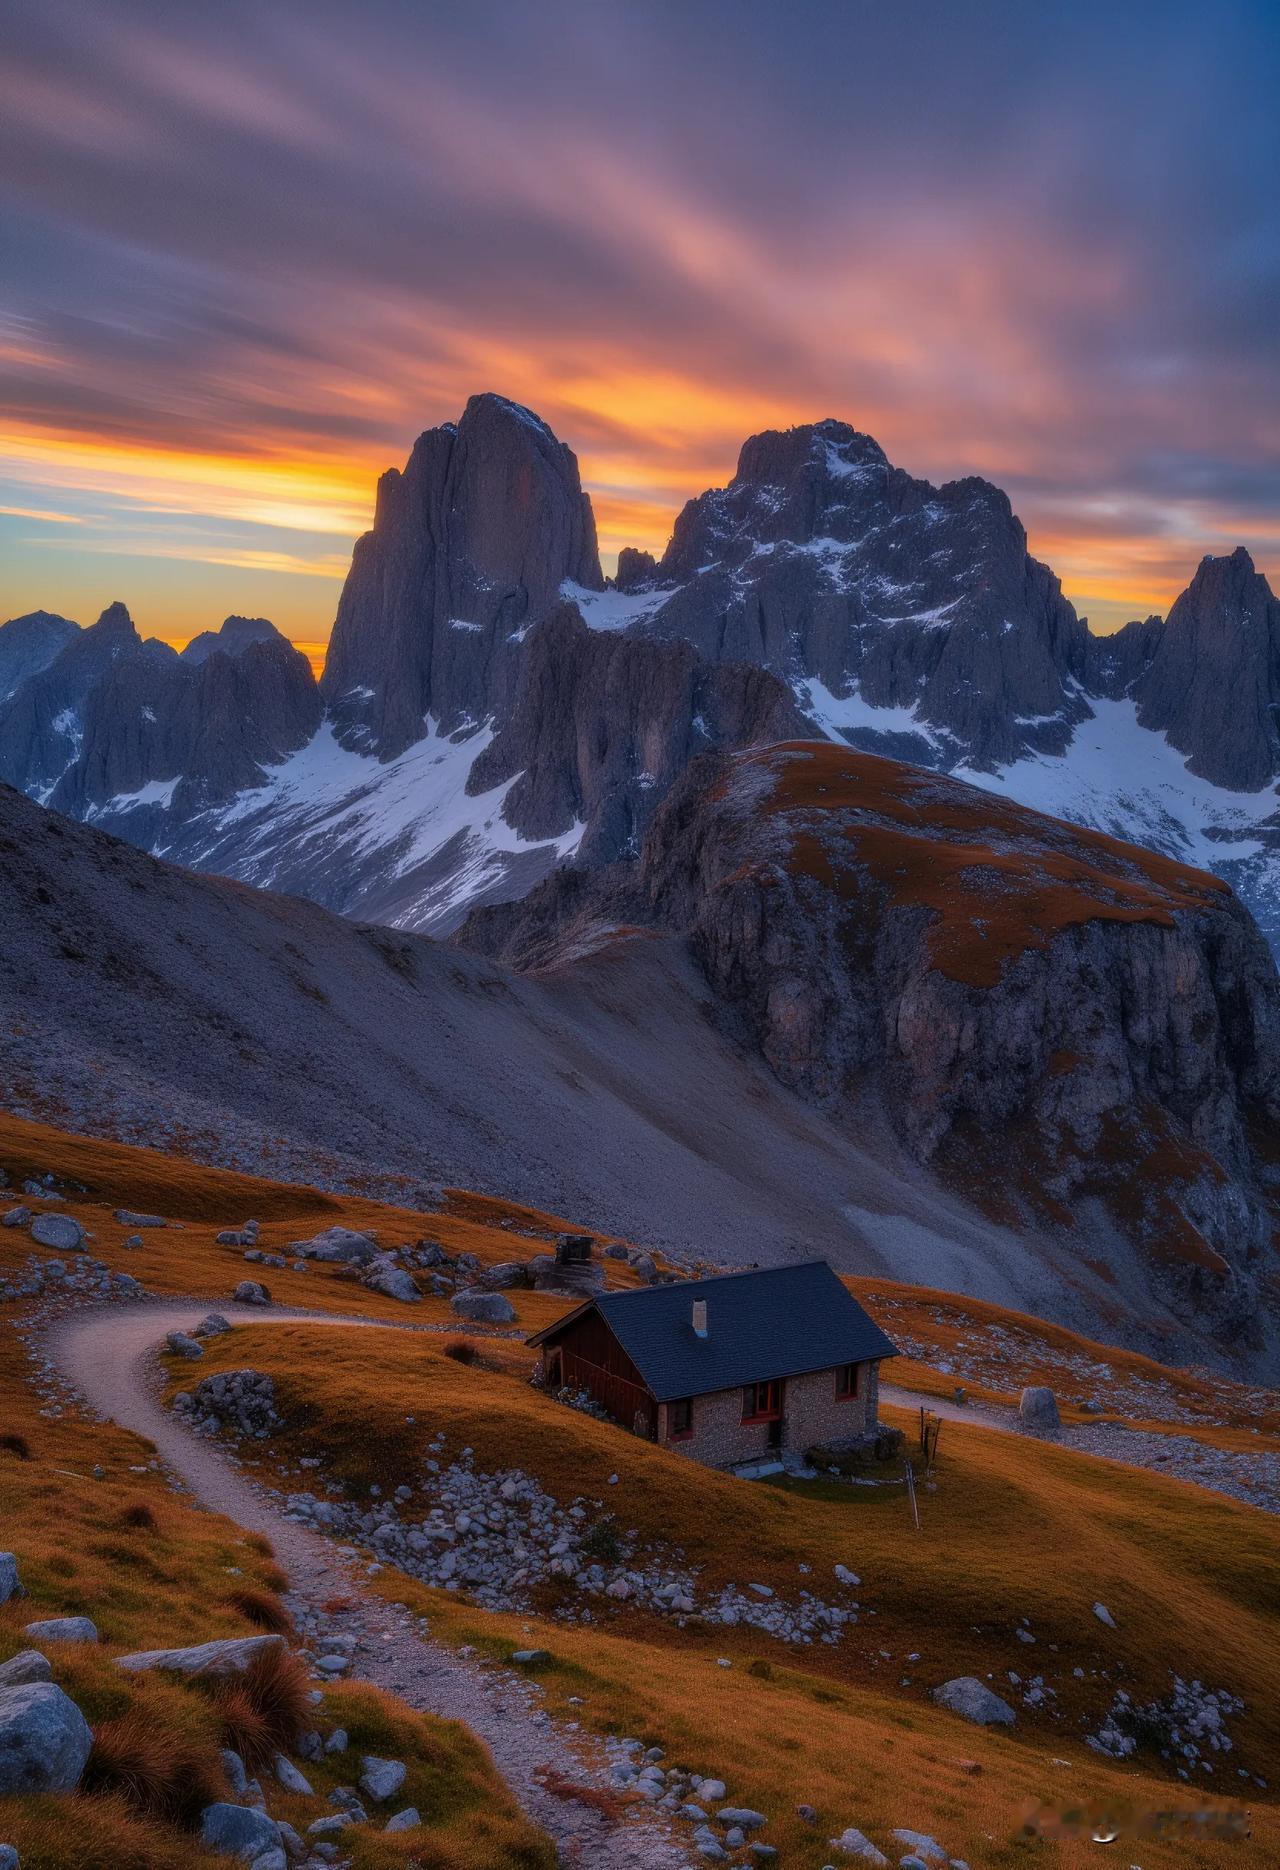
(1017, 1534)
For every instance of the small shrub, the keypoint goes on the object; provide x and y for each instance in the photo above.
(16, 1445)
(263, 1609)
(139, 1514)
(274, 1578)
(158, 1771)
(462, 1350)
(263, 1709)
(761, 1669)
(603, 1540)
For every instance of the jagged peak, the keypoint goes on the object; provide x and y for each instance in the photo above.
(115, 621)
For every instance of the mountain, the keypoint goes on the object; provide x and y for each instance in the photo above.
(471, 732)
(1077, 1035)
(29, 644)
(758, 1042)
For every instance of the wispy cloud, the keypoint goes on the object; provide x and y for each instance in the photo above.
(251, 251)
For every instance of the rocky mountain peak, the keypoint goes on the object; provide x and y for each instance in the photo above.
(1213, 681)
(233, 638)
(114, 625)
(29, 644)
(470, 545)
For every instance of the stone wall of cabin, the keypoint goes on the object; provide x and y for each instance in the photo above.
(812, 1414)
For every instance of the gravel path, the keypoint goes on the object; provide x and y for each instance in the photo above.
(108, 1355)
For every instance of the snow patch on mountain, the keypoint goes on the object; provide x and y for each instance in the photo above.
(1125, 779)
(376, 822)
(610, 609)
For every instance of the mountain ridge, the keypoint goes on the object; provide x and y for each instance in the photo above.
(892, 615)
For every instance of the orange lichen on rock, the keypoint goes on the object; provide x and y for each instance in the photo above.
(994, 878)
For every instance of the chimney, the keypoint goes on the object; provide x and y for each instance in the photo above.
(699, 1318)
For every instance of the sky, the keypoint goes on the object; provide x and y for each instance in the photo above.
(249, 251)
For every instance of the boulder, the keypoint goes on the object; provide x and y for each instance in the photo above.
(228, 1656)
(27, 1666)
(10, 1584)
(127, 1218)
(407, 1820)
(338, 1245)
(967, 1696)
(58, 1231)
(183, 1346)
(212, 1325)
(239, 1830)
(251, 1292)
(394, 1283)
(1038, 1411)
(1103, 1615)
(505, 1275)
(44, 1740)
(291, 1779)
(277, 1859)
(63, 1630)
(381, 1779)
(852, 1843)
(9, 1859)
(16, 1217)
(485, 1307)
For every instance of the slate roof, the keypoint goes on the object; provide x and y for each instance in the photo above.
(779, 1322)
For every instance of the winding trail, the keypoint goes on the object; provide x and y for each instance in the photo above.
(108, 1355)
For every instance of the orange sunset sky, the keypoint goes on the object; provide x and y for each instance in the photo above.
(252, 252)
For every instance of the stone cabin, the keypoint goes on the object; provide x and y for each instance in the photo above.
(733, 1371)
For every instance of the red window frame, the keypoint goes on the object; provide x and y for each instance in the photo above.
(680, 1419)
(762, 1402)
(848, 1383)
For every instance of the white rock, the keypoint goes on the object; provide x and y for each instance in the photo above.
(967, 1696)
(291, 1779)
(852, 1843)
(1103, 1615)
(228, 1656)
(44, 1740)
(58, 1231)
(381, 1779)
(63, 1630)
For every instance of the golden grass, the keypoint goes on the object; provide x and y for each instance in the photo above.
(1188, 1577)
(995, 879)
(209, 1201)
(1015, 1529)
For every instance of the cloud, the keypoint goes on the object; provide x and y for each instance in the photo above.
(252, 251)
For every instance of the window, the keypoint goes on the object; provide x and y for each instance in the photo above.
(847, 1382)
(762, 1402)
(680, 1419)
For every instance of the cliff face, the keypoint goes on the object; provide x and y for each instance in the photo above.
(602, 726)
(1068, 1029)
(470, 545)
(1213, 680)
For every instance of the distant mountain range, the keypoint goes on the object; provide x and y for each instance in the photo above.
(491, 705)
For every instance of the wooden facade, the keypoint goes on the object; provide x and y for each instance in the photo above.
(587, 1356)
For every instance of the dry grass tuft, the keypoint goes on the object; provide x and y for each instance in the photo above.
(263, 1709)
(156, 1769)
(141, 1515)
(598, 1798)
(462, 1351)
(16, 1445)
(274, 1578)
(263, 1609)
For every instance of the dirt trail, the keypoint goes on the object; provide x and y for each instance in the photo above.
(107, 1354)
